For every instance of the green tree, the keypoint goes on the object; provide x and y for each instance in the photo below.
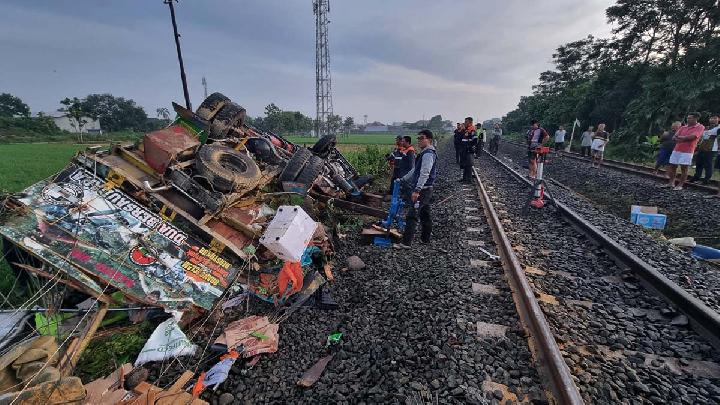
(75, 110)
(334, 123)
(11, 106)
(115, 113)
(163, 113)
(348, 124)
(663, 61)
(435, 122)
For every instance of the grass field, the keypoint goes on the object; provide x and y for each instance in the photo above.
(24, 164)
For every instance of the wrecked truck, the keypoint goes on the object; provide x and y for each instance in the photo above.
(175, 219)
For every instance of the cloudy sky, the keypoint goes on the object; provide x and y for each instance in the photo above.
(393, 60)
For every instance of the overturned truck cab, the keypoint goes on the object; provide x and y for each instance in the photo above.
(175, 220)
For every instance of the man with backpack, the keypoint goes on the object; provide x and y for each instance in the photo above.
(536, 135)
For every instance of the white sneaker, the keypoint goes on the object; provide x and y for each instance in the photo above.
(401, 246)
(677, 188)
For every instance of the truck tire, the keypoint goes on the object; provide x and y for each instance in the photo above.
(231, 115)
(323, 146)
(295, 165)
(311, 171)
(225, 168)
(211, 106)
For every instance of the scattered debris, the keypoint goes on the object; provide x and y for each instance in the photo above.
(240, 334)
(165, 342)
(334, 338)
(217, 373)
(313, 374)
(355, 263)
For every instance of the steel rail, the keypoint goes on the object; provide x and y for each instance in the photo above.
(704, 319)
(548, 356)
(634, 169)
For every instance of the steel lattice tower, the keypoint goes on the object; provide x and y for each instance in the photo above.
(323, 84)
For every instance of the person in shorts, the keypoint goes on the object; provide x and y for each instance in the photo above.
(666, 146)
(536, 135)
(686, 139)
(599, 140)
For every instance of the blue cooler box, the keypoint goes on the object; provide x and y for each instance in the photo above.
(647, 217)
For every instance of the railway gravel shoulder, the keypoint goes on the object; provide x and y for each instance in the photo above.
(701, 279)
(620, 341)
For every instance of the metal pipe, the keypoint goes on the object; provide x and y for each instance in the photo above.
(149, 188)
(179, 54)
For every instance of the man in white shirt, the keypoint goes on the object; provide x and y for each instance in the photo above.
(586, 141)
(560, 138)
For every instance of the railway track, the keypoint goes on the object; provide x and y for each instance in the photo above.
(621, 342)
(635, 169)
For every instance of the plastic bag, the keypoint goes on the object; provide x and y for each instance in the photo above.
(165, 342)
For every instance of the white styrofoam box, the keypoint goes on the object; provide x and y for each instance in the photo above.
(289, 233)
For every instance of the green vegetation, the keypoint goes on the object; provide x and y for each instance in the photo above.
(351, 139)
(661, 64)
(25, 164)
(370, 161)
(104, 355)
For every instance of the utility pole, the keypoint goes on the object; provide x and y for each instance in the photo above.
(179, 53)
(365, 119)
(204, 83)
(323, 84)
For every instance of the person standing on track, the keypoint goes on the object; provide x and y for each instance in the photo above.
(686, 139)
(420, 180)
(480, 141)
(586, 141)
(467, 149)
(667, 144)
(560, 138)
(457, 140)
(536, 135)
(600, 139)
(495, 140)
(707, 149)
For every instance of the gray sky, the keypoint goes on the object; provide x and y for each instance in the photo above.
(393, 60)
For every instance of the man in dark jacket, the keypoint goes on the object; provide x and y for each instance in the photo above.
(467, 149)
(407, 158)
(420, 181)
(393, 158)
(457, 141)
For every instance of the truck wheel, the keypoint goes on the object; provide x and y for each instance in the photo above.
(211, 106)
(323, 146)
(311, 171)
(295, 165)
(230, 115)
(225, 168)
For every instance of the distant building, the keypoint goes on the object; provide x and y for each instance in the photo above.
(376, 127)
(69, 124)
